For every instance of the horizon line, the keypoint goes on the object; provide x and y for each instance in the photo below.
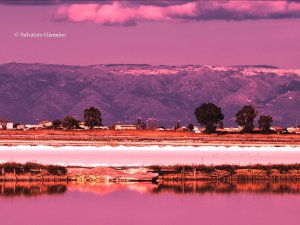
(147, 64)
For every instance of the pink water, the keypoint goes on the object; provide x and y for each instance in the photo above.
(129, 207)
(128, 156)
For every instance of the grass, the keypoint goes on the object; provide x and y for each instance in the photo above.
(32, 168)
(35, 168)
(145, 133)
(282, 168)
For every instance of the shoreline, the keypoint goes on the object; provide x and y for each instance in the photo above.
(100, 138)
(58, 143)
(33, 172)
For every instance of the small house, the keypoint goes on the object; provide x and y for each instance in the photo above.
(45, 124)
(125, 127)
(20, 127)
(10, 126)
(277, 129)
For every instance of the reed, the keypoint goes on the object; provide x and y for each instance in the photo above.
(31, 168)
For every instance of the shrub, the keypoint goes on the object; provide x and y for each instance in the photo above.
(56, 170)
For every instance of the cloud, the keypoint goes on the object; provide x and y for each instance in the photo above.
(120, 13)
(131, 13)
(248, 10)
(44, 2)
(57, 2)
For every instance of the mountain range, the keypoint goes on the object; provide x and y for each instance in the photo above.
(124, 92)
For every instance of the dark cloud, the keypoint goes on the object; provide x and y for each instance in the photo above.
(130, 2)
(49, 2)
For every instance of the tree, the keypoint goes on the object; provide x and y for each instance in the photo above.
(265, 123)
(3, 123)
(177, 125)
(56, 124)
(245, 118)
(140, 124)
(70, 123)
(190, 127)
(92, 117)
(208, 115)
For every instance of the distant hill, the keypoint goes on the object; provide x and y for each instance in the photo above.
(31, 92)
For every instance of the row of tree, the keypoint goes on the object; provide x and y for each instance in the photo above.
(92, 118)
(208, 115)
(211, 116)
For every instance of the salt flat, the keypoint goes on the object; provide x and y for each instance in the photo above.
(149, 155)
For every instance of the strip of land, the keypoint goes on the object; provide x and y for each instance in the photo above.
(179, 173)
(142, 138)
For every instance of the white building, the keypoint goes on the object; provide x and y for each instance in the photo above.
(10, 126)
(45, 124)
(20, 127)
(125, 127)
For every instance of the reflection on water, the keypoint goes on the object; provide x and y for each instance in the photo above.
(150, 204)
(35, 189)
(220, 187)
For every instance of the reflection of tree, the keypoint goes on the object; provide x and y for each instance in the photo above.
(36, 189)
(31, 189)
(221, 187)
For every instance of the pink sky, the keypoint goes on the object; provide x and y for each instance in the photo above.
(175, 33)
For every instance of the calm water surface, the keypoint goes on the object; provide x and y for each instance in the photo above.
(150, 204)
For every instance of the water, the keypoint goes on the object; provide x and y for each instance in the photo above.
(190, 203)
(150, 204)
(139, 156)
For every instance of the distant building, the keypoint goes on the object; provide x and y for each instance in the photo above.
(82, 126)
(125, 127)
(198, 130)
(232, 129)
(33, 126)
(45, 124)
(293, 130)
(182, 129)
(101, 127)
(277, 129)
(29, 126)
(10, 126)
(20, 127)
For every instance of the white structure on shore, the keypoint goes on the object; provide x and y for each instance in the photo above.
(10, 126)
(125, 127)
